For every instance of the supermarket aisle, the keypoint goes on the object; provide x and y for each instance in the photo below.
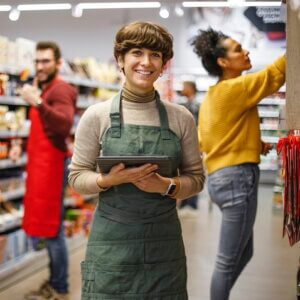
(271, 274)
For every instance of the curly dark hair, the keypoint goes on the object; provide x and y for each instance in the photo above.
(208, 45)
(144, 35)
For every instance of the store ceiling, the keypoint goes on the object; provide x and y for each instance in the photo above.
(17, 2)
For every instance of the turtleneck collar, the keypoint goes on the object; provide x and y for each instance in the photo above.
(130, 96)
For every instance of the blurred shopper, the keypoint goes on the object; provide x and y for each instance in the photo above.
(52, 107)
(189, 92)
(135, 249)
(229, 136)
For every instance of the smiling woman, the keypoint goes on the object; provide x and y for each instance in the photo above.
(135, 248)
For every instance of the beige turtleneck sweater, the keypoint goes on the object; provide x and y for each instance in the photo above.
(95, 121)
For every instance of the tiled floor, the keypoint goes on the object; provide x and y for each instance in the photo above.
(271, 275)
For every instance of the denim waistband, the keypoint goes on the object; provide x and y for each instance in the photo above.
(230, 169)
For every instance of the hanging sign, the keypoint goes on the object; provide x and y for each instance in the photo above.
(266, 19)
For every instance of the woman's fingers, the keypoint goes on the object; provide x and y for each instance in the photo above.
(140, 172)
(119, 174)
(117, 168)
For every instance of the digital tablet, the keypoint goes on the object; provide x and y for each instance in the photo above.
(165, 163)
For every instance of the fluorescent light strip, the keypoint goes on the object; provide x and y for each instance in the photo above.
(5, 7)
(205, 4)
(112, 5)
(52, 6)
(262, 3)
(229, 4)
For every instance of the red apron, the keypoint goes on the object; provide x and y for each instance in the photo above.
(45, 167)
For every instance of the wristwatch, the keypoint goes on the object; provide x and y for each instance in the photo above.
(171, 188)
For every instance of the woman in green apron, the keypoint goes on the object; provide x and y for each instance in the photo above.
(135, 249)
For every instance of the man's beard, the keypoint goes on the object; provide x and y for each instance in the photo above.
(49, 78)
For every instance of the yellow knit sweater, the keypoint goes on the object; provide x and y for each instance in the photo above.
(228, 128)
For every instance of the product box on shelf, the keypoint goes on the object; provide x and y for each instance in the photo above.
(13, 246)
(3, 49)
(25, 52)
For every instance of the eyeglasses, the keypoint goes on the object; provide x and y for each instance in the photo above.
(42, 61)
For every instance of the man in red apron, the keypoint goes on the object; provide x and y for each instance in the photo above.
(52, 106)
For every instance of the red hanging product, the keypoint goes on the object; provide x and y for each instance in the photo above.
(289, 148)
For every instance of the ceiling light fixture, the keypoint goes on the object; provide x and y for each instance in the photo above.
(5, 7)
(230, 3)
(113, 5)
(52, 6)
(178, 10)
(164, 13)
(14, 14)
(76, 11)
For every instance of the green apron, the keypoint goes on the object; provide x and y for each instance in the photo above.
(135, 249)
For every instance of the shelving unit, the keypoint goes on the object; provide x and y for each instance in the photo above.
(8, 163)
(13, 188)
(269, 112)
(32, 262)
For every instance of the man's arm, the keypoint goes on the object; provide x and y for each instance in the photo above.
(58, 111)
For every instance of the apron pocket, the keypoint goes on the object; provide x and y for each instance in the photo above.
(110, 279)
(145, 281)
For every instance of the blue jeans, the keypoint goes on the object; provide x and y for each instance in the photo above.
(57, 249)
(234, 190)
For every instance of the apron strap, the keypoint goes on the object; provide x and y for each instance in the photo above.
(163, 116)
(115, 116)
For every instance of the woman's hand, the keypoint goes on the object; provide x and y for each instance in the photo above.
(118, 174)
(153, 184)
(265, 148)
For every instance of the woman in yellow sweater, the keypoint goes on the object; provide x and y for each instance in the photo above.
(229, 136)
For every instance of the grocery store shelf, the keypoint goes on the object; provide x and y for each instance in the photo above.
(270, 139)
(73, 79)
(10, 224)
(12, 100)
(69, 201)
(109, 86)
(13, 194)
(81, 81)
(8, 163)
(267, 167)
(76, 80)
(272, 101)
(4, 134)
(268, 127)
(85, 102)
(268, 114)
(16, 270)
(13, 70)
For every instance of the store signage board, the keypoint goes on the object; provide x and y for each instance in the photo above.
(266, 19)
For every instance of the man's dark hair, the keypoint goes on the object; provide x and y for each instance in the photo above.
(208, 45)
(43, 45)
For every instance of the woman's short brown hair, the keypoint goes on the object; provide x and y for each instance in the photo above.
(144, 35)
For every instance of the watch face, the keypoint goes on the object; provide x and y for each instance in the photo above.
(172, 189)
